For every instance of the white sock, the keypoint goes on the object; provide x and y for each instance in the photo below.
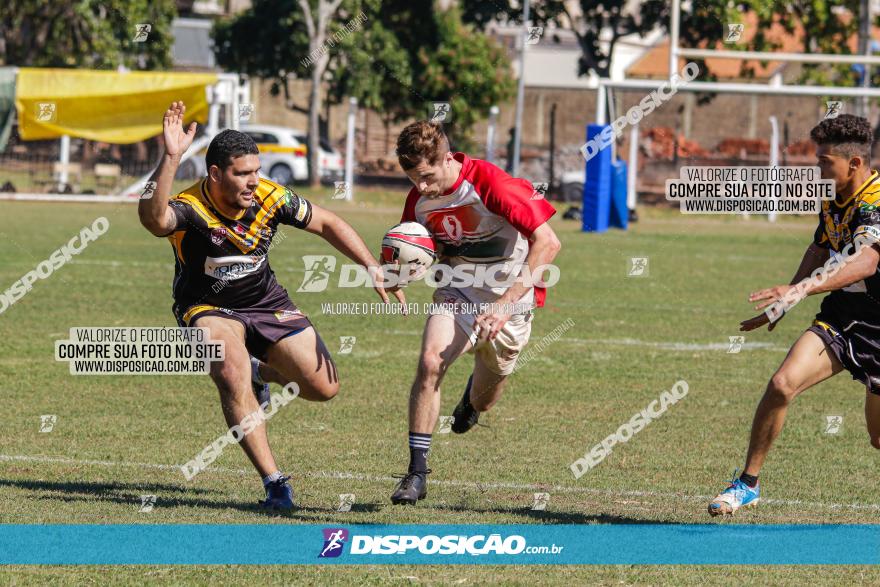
(272, 477)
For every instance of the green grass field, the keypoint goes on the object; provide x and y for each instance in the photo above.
(119, 437)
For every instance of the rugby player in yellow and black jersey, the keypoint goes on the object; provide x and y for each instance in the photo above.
(846, 332)
(221, 230)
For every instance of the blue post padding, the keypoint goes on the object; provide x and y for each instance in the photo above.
(597, 187)
(619, 212)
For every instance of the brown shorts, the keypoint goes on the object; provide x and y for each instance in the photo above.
(262, 326)
(854, 345)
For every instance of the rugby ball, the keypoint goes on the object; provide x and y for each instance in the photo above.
(409, 244)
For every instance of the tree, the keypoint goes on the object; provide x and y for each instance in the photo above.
(824, 26)
(277, 40)
(394, 56)
(85, 33)
(466, 69)
(317, 23)
(401, 62)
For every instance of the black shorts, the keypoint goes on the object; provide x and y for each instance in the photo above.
(855, 344)
(262, 326)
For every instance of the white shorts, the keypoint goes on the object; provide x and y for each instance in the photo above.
(498, 355)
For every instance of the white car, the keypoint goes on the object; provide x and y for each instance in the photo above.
(284, 154)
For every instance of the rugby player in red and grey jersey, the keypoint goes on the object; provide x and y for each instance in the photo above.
(478, 215)
(221, 229)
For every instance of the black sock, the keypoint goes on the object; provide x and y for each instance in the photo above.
(468, 387)
(419, 447)
(750, 480)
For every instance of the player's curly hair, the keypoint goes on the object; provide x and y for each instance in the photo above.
(227, 145)
(849, 135)
(421, 141)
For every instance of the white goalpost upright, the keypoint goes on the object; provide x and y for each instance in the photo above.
(775, 89)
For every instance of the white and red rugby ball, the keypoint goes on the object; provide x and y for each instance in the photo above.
(409, 243)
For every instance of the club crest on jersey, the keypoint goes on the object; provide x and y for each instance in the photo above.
(218, 235)
(452, 227)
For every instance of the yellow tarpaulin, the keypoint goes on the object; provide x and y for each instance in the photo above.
(105, 106)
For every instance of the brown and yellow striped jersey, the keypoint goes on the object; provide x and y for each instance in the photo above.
(223, 261)
(840, 222)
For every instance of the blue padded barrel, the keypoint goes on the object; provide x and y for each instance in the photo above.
(597, 187)
(619, 212)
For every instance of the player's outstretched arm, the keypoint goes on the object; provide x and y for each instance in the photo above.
(347, 241)
(154, 212)
(858, 267)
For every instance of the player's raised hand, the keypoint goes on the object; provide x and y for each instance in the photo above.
(177, 140)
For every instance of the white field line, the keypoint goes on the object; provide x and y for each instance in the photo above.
(664, 346)
(450, 483)
(83, 199)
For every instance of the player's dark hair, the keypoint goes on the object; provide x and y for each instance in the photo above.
(421, 141)
(848, 135)
(227, 145)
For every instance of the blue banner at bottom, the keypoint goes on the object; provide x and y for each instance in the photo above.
(648, 544)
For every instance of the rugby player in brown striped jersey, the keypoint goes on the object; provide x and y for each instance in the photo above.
(221, 229)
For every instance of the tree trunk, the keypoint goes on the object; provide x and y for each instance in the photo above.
(317, 28)
(314, 109)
